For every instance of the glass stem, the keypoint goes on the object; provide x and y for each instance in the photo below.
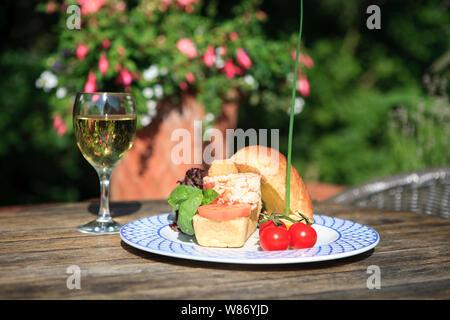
(103, 214)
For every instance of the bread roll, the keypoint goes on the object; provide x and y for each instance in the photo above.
(225, 234)
(222, 168)
(271, 165)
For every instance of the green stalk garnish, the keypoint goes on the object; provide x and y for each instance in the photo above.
(277, 216)
(291, 118)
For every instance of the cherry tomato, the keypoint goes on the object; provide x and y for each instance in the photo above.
(270, 223)
(274, 238)
(302, 236)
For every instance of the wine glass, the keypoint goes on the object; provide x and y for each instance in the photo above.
(104, 125)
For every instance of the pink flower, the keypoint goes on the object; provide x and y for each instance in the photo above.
(190, 77)
(164, 4)
(303, 86)
(186, 47)
(103, 64)
(90, 85)
(221, 51)
(186, 2)
(81, 51)
(125, 77)
(209, 57)
(120, 6)
(188, 5)
(59, 125)
(90, 6)
(106, 43)
(261, 15)
(243, 59)
(62, 129)
(121, 50)
(50, 8)
(233, 35)
(57, 121)
(231, 70)
(183, 85)
(95, 98)
(306, 60)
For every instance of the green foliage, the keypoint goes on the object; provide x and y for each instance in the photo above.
(36, 164)
(373, 115)
(144, 39)
(370, 114)
(378, 103)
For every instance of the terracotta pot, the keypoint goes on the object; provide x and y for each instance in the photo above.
(147, 171)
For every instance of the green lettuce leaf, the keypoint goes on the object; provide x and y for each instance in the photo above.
(187, 211)
(181, 193)
(186, 200)
(209, 195)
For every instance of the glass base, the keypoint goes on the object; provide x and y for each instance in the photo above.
(96, 227)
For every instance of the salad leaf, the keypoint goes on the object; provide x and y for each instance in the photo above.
(209, 195)
(182, 193)
(187, 211)
(185, 200)
(194, 178)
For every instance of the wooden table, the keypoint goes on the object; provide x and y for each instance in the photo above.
(38, 245)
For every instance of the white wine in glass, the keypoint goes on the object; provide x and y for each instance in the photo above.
(104, 125)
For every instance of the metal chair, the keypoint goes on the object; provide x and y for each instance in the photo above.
(426, 191)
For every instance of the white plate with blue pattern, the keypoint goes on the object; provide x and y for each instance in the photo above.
(336, 238)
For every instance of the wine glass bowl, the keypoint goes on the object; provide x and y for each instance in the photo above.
(104, 125)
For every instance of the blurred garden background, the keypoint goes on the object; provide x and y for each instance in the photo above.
(370, 103)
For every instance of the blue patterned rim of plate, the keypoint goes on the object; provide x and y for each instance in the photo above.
(336, 238)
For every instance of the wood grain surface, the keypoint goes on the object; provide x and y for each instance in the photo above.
(38, 245)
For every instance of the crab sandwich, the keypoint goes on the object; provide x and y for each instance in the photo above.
(233, 217)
